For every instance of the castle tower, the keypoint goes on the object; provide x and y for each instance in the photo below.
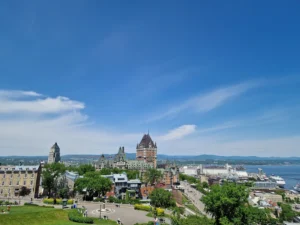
(146, 150)
(54, 154)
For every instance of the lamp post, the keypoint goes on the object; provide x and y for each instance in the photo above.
(100, 210)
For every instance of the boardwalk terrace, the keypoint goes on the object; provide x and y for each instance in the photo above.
(12, 178)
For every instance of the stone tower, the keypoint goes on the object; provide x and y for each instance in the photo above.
(146, 150)
(54, 154)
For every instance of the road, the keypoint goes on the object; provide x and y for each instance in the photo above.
(194, 196)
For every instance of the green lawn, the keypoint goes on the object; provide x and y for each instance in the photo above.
(31, 215)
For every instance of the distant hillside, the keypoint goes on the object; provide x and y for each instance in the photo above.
(159, 157)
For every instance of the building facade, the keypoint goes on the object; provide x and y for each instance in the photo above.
(146, 150)
(120, 161)
(13, 178)
(121, 185)
(54, 154)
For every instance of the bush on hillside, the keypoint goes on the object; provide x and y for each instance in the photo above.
(148, 208)
(30, 204)
(76, 216)
(58, 201)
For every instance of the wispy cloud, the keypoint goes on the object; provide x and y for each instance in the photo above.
(179, 132)
(208, 101)
(16, 102)
(33, 130)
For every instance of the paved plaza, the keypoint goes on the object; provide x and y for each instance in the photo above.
(125, 213)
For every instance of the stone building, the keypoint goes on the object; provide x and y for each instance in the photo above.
(13, 178)
(120, 161)
(170, 174)
(146, 150)
(54, 154)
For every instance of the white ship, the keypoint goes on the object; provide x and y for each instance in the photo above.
(279, 181)
(297, 187)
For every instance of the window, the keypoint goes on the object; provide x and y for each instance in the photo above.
(18, 182)
(24, 182)
(2, 182)
(25, 175)
(9, 182)
(31, 182)
(11, 175)
(32, 175)
(1, 192)
(3, 175)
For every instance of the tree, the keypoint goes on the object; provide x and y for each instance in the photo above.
(153, 176)
(24, 191)
(50, 174)
(205, 184)
(161, 198)
(94, 184)
(191, 220)
(287, 213)
(226, 201)
(228, 205)
(63, 193)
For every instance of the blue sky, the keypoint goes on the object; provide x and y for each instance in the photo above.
(204, 77)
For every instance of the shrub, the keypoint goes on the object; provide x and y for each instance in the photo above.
(160, 212)
(142, 207)
(148, 208)
(58, 201)
(75, 216)
(30, 204)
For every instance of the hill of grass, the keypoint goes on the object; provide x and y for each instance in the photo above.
(32, 215)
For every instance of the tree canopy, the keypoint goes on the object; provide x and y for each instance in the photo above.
(24, 191)
(50, 174)
(152, 176)
(82, 169)
(94, 184)
(228, 205)
(161, 198)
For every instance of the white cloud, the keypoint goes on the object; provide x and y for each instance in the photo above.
(179, 132)
(17, 94)
(32, 130)
(14, 102)
(209, 101)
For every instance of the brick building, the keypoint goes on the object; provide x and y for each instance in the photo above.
(146, 150)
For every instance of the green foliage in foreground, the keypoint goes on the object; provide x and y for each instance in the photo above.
(161, 198)
(58, 201)
(76, 216)
(35, 215)
(228, 205)
(191, 220)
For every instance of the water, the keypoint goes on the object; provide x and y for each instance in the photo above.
(291, 174)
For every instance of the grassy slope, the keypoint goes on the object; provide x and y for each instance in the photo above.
(30, 215)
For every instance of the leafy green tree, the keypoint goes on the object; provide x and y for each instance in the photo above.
(205, 184)
(161, 198)
(24, 191)
(226, 201)
(94, 184)
(192, 220)
(228, 205)
(63, 193)
(152, 176)
(50, 174)
(287, 213)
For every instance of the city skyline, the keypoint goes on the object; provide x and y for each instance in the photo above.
(203, 78)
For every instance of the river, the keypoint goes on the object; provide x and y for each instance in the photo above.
(290, 173)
